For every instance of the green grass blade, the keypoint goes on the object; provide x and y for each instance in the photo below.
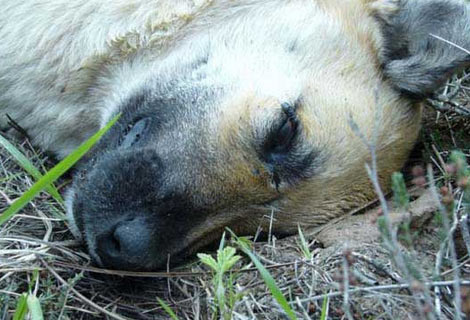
(268, 279)
(167, 309)
(304, 245)
(21, 308)
(54, 173)
(24, 162)
(324, 308)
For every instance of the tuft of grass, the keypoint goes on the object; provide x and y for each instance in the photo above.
(462, 174)
(401, 199)
(303, 245)
(267, 278)
(58, 170)
(28, 166)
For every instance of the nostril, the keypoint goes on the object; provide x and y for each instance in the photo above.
(115, 244)
(108, 246)
(126, 245)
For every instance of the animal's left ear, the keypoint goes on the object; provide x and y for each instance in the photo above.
(425, 41)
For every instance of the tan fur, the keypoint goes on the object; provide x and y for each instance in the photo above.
(343, 183)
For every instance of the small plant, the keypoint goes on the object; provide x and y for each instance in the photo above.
(402, 202)
(400, 194)
(225, 295)
(462, 173)
(29, 303)
(462, 176)
(303, 245)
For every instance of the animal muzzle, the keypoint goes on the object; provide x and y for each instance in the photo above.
(127, 245)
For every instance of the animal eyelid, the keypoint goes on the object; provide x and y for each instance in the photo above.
(288, 109)
(135, 132)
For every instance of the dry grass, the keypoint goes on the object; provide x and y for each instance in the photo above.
(357, 280)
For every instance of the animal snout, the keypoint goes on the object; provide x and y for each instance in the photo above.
(127, 245)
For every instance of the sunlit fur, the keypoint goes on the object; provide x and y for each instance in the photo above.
(68, 66)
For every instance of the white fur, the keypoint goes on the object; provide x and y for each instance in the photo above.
(69, 198)
(76, 63)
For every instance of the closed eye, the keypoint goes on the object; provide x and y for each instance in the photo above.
(134, 132)
(287, 155)
(281, 139)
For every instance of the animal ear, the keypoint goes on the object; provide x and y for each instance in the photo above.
(425, 41)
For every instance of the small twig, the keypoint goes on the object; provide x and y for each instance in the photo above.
(301, 307)
(47, 224)
(346, 308)
(442, 163)
(64, 305)
(378, 267)
(451, 132)
(384, 287)
(446, 101)
(168, 279)
(5, 196)
(249, 308)
(79, 295)
(174, 274)
(451, 43)
(460, 265)
(271, 219)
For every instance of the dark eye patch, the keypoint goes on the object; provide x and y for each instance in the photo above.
(134, 132)
(287, 155)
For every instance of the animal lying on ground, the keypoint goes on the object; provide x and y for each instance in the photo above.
(232, 111)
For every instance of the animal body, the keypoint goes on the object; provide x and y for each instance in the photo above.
(232, 111)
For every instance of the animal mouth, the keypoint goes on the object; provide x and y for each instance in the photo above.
(202, 237)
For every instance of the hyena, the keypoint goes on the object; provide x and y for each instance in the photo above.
(231, 111)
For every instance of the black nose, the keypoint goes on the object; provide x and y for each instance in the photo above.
(126, 246)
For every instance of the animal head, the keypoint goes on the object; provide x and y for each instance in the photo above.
(245, 116)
